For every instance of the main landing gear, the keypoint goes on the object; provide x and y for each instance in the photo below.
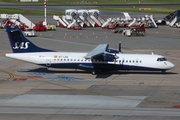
(163, 71)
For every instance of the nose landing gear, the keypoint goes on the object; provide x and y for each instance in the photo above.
(93, 72)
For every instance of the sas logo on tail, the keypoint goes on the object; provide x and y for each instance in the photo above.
(22, 45)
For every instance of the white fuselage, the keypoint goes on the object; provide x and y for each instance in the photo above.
(77, 60)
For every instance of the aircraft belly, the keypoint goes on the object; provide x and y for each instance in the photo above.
(104, 66)
(61, 65)
(84, 66)
(99, 66)
(136, 67)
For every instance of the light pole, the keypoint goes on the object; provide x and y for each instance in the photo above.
(45, 22)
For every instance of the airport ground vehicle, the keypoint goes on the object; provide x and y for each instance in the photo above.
(50, 27)
(118, 30)
(137, 31)
(132, 31)
(39, 27)
(75, 28)
(23, 27)
(29, 32)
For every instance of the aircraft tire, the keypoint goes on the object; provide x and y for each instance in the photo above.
(93, 72)
(163, 71)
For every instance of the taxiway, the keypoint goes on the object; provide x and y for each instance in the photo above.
(32, 92)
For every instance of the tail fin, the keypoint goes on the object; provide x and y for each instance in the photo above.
(20, 44)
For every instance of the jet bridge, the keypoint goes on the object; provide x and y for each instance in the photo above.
(172, 18)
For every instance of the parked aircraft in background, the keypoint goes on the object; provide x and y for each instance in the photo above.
(99, 59)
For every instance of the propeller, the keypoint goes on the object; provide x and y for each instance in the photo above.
(120, 46)
(115, 57)
(119, 49)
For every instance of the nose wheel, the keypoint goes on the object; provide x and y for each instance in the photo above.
(93, 72)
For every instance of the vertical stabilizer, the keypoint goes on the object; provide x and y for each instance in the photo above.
(20, 44)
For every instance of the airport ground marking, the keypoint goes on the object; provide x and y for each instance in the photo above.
(89, 92)
(72, 88)
(11, 76)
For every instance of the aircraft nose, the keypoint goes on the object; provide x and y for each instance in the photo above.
(171, 65)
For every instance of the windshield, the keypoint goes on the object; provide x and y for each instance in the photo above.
(161, 59)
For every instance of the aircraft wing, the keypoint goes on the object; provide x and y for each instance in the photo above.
(99, 50)
(100, 53)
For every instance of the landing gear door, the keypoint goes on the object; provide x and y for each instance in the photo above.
(48, 62)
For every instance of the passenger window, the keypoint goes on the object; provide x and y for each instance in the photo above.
(129, 61)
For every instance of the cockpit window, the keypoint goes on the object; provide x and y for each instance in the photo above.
(161, 59)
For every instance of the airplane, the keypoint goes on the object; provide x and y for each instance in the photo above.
(99, 59)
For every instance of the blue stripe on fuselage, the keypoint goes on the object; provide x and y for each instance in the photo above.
(100, 66)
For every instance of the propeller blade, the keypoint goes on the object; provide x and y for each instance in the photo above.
(119, 46)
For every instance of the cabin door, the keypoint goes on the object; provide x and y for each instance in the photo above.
(48, 62)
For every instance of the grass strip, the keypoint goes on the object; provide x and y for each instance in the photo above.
(27, 12)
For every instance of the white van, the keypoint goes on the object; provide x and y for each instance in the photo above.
(29, 32)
